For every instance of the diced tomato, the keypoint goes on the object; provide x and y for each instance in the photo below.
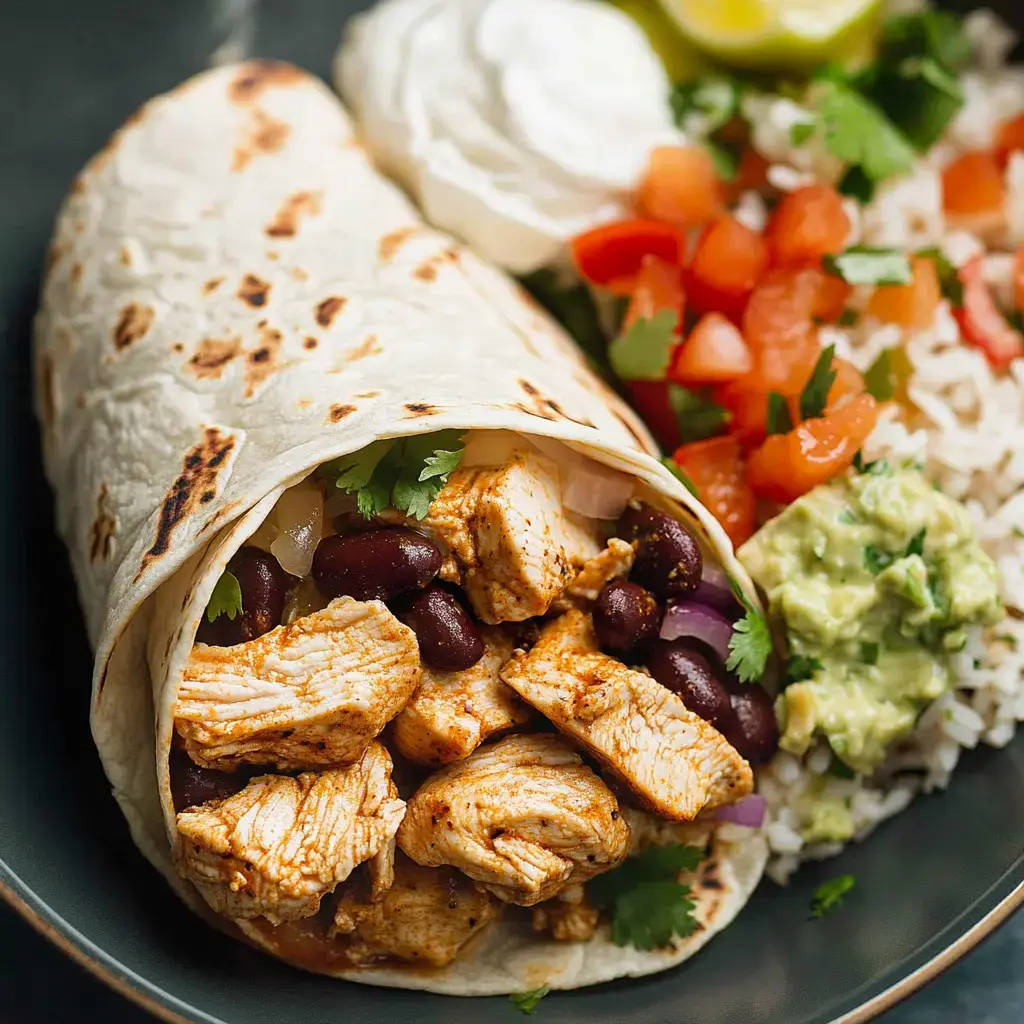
(611, 255)
(809, 223)
(658, 286)
(789, 465)
(681, 187)
(650, 398)
(1009, 138)
(973, 184)
(714, 352)
(848, 382)
(981, 322)
(727, 262)
(716, 469)
(748, 405)
(752, 174)
(1018, 279)
(909, 305)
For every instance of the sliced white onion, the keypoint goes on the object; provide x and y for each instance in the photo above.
(687, 618)
(299, 516)
(594, 491)
(749, 811)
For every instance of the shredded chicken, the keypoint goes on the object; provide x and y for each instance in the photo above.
(506, 530)
(671, 759)
(613, 563)
(311, 694)
(426, 917)
(523, 816)
(452, 713)
(280, 845)
(569, 918)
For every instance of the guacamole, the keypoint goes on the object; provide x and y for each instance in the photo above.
(874, 577)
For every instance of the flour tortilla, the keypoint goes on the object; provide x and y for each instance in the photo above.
(233, 296)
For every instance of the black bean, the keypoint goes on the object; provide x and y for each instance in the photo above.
(668, 557)
(375, 564)
(447, 637)
(681, 668)
(193, 785)
(264, 586)
(626, 617)
(753, 730)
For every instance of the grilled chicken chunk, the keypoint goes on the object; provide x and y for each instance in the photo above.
(569, 918)
(426, 917)
(280, 845)
(672, 760)
(523, 816)
(515, 548)
(307, 695)
(452, 713)
(613, 563)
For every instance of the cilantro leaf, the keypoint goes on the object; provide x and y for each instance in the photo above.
(829, 895)
(921, 97)
(875, 560)
(698, 417)
(860, 134)
(949, 276)
(801, 132)
(643, 352)
(916, 545)
(715, 98)
(879, 467)
(815, 394)
(839, 768)
(779, 419)
(676, 470)
(857, 185)
(848, 318)
(869, 653)
(749, 647)
(800, 667)
(878, 377)
(865, 264)
(648, 905)
(726, 158)
(936, 34)
(526, 1002)
(226, 598)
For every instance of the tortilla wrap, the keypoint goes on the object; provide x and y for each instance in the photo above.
(233, 297)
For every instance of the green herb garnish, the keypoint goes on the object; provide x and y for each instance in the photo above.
(829, 895)
(814, 397)
(800, 667)
(839, 768)
(869, 653)
(865, 264)
(848, 318)
(226, 598)
(676, 470)
(949, 276)
(779, 419)
(526, 1002)
(879, 467)
(750, 646)
(716, 98)
(647, 903)
(875, 559)
(698, 417)
(802, 132)
(644, 351)
(916, 544)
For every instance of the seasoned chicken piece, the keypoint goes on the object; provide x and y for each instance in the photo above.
(613, 563)
(568, 918)
(301, 696)
(452, 713)
(506, 530)
(280, 845)
(426, 917)
(523, 816)
(671, 759)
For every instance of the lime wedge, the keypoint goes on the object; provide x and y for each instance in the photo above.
(778, 34)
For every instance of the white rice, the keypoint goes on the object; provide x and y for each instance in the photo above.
(968, 432)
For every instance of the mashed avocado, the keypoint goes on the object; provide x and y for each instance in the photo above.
(875, 578)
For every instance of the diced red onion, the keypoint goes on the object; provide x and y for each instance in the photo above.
(714, 589)
(687, 618)
(593, 491)
(749, 812)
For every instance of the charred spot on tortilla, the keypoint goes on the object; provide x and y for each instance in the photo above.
(426, 271)
(369, 346)
(132, 325)
(261, 362)
(328, 309)
(53, 257)
(265, 135)
(101, 533)
(368, 394)
(528, 387)
(210, 286)
(290, 213)
(298, 274)
(200, 470)
(255, 76)
(310, 343)
(254, 291)
(212, 355)
(125, 256)
(394, 240)
(339, 412)
(421, 408)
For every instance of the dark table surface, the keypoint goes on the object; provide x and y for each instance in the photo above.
(39, 986)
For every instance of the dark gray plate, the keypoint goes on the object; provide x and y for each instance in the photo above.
(929, 883)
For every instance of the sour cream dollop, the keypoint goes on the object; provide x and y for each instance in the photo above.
(515, 124)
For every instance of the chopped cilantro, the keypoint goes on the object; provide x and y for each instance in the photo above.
(878, 377)
(935, 34)
(815, 394)
(226, 598)
(698, 417)
(848, 318)
(839, 768)
(800, 667)
(726, 158)
(880, 467)
(749, 646)
(779, 419)
(644, 350)
(869, 653)
(526, 1002)
(949, 276)
(916, 545)
(829, 895)
(875, 560)
(716, 98)
(676, 470)
(865, 264)
(647, 903)
(857, 185)
(405, 473)
(801, 132)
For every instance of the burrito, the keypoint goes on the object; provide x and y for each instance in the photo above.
(413, 665)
